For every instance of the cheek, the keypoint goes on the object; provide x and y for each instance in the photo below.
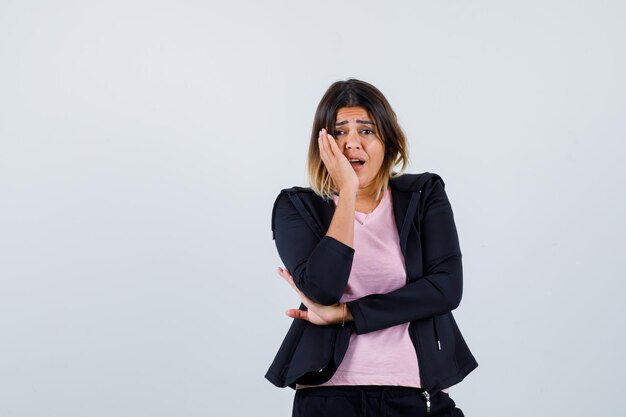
(377, 153)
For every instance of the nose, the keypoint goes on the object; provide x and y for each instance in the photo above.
(353, 140)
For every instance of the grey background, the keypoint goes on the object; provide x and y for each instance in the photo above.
(142, 144)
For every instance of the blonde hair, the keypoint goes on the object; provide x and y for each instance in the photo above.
(352, 93)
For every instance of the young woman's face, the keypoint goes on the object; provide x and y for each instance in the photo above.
(357, 138)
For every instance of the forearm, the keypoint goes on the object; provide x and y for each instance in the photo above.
(342, 225)
(436, 293)
(320, 268)
(435, 259)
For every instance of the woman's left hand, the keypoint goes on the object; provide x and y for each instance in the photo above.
(317, 313)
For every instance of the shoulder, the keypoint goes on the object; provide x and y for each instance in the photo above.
(301, 204)
(415, 182)
(296, 190)
(303, 193)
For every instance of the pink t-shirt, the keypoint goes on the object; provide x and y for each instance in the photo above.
(386, 356)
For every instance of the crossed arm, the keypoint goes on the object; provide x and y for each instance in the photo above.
(320, 270)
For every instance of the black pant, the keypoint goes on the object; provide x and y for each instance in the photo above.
(371, 401)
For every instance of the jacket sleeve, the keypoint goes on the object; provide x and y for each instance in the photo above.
(438, 291)
(320, 268)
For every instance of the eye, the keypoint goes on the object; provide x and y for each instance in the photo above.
(338, 132)
(367, 131)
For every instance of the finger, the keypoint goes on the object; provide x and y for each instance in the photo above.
(329, 157)
(328, 139)
(305, 300)
(334, 147)
(297, 314)
(335, 150)
(287, 277)
(324, 150)
(281, 271)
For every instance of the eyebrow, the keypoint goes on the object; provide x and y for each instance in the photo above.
(363, 122)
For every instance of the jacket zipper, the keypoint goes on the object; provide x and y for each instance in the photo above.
(424, 392)
(427, 396)
(417, 342)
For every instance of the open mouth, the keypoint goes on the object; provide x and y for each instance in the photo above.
(356, 162)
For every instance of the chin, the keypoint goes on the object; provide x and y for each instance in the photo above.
(365, 182)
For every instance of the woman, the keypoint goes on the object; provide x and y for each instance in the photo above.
(374, 257)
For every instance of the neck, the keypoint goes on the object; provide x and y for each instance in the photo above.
(366, 200)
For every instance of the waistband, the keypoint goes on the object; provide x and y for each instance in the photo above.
(371, 391)
(379, 392)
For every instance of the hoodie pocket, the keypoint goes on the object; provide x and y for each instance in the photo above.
(444, 333)
(437, 340)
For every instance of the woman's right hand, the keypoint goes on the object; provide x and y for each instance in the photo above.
(338, 166)
(316, 313)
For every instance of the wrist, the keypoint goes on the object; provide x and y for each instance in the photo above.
(344, 314)
(348, 192)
